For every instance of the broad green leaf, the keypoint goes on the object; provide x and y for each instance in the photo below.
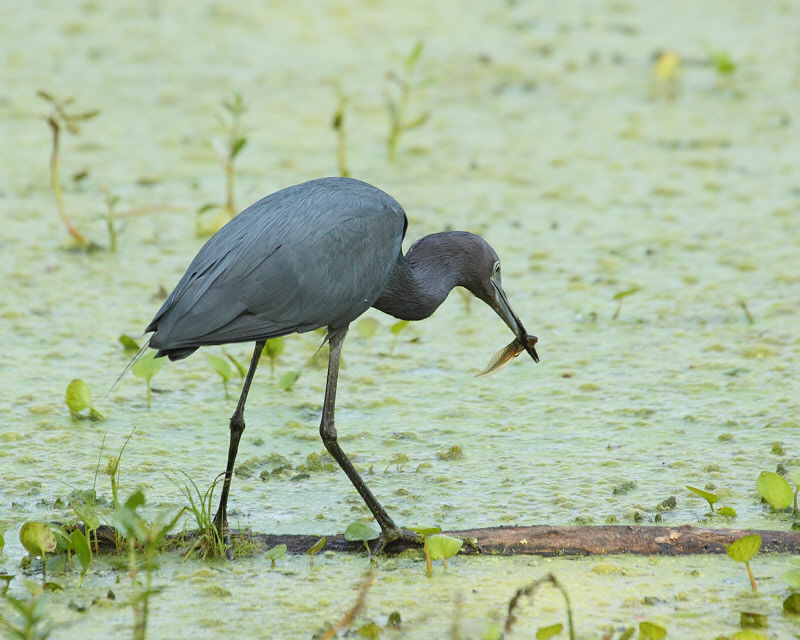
(425, 531)
(442, 546)
(794, 476)
(360, 531)
(317, 545)
(220, 366)
(273, 348)
(276, 552)
(82, 549)
(287, 380)
(792, 578)
(128, 343)
(147, 366)
(728, 512)
(651, 631)
(711, 498)
(85, 513)
(78, 396)
(792, 604)
(750, 619)
(371, 630)
(774, 490)
(544, 633)
(743, 549)
(37, 538)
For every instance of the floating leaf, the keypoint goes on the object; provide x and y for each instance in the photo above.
(728, 512)
(711, 498)
(147, 366)
(792, 578)
(128, 343)
(442, 547)
(78, 396)
(287, 380)
(37, 538)
(651, 631)
(358, 531)
(744, 549)
(774, 490)
(544, 633)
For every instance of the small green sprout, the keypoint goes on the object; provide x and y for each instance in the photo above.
(316, 548)
(396, 329)
(743, 550)
(275, 553)
(60, 118)
(145, 368)
(39, 540)
(273, 348)
(287, 380)
(360, 531)
(775, 490)
(545, 633)
(223, 369)
(367, 328)
(341, 136)
(79, 397)
(711, 498)
(442, 547)
(722, 63)
(398, 94)
(425, 532)
(619, 297)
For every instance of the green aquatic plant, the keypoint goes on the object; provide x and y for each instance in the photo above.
(39, 540)
(775, 490)
(619, 297)
(442, 547)
(149, 536)
(209, 537)
(61, 118)
(239, 368)
(111, 224)
(358, 531)
(317, 546)
(398, 96)
(223, 369)
(128, 344)
(425, 532)
(31, 622)
(743, 550)
(722, 62)
(88, 515)
(145, 368)
(397, 328)
(83, 550)
(231, 121)
(79, 397)
(341, 136)
(287, 380)
(711, 498)
(651, 631)
(276, 553)
(794, 476)
(273, 348)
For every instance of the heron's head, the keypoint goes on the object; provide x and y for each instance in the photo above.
(482, 278)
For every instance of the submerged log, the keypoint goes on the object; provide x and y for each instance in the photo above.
(573, 541)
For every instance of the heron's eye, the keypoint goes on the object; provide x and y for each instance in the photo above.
(496, 269)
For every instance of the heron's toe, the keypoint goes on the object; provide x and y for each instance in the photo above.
(391, 535)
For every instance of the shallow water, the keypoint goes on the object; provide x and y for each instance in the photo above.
(550, 135)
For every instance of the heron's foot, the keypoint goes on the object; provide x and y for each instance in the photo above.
(392, 535)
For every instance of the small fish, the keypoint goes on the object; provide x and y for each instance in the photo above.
(502, 358)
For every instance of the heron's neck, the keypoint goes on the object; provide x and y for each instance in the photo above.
(422, 279)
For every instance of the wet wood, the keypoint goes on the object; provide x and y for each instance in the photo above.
(547, 541)
(576, 541)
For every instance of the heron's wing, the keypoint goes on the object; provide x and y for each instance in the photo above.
(293, 265)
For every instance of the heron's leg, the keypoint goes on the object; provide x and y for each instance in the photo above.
(389, 530)
(237, 428)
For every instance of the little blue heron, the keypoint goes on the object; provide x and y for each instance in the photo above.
(318, 255)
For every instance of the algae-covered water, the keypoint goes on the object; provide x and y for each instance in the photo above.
(550, 133)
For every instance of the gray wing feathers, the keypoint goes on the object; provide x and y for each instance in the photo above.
(306, 257)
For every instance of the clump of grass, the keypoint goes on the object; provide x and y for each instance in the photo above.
(62, 118)
(398, 95)
(209, 538)
(341, 135)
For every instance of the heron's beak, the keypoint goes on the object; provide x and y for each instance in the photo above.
(500, 304)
